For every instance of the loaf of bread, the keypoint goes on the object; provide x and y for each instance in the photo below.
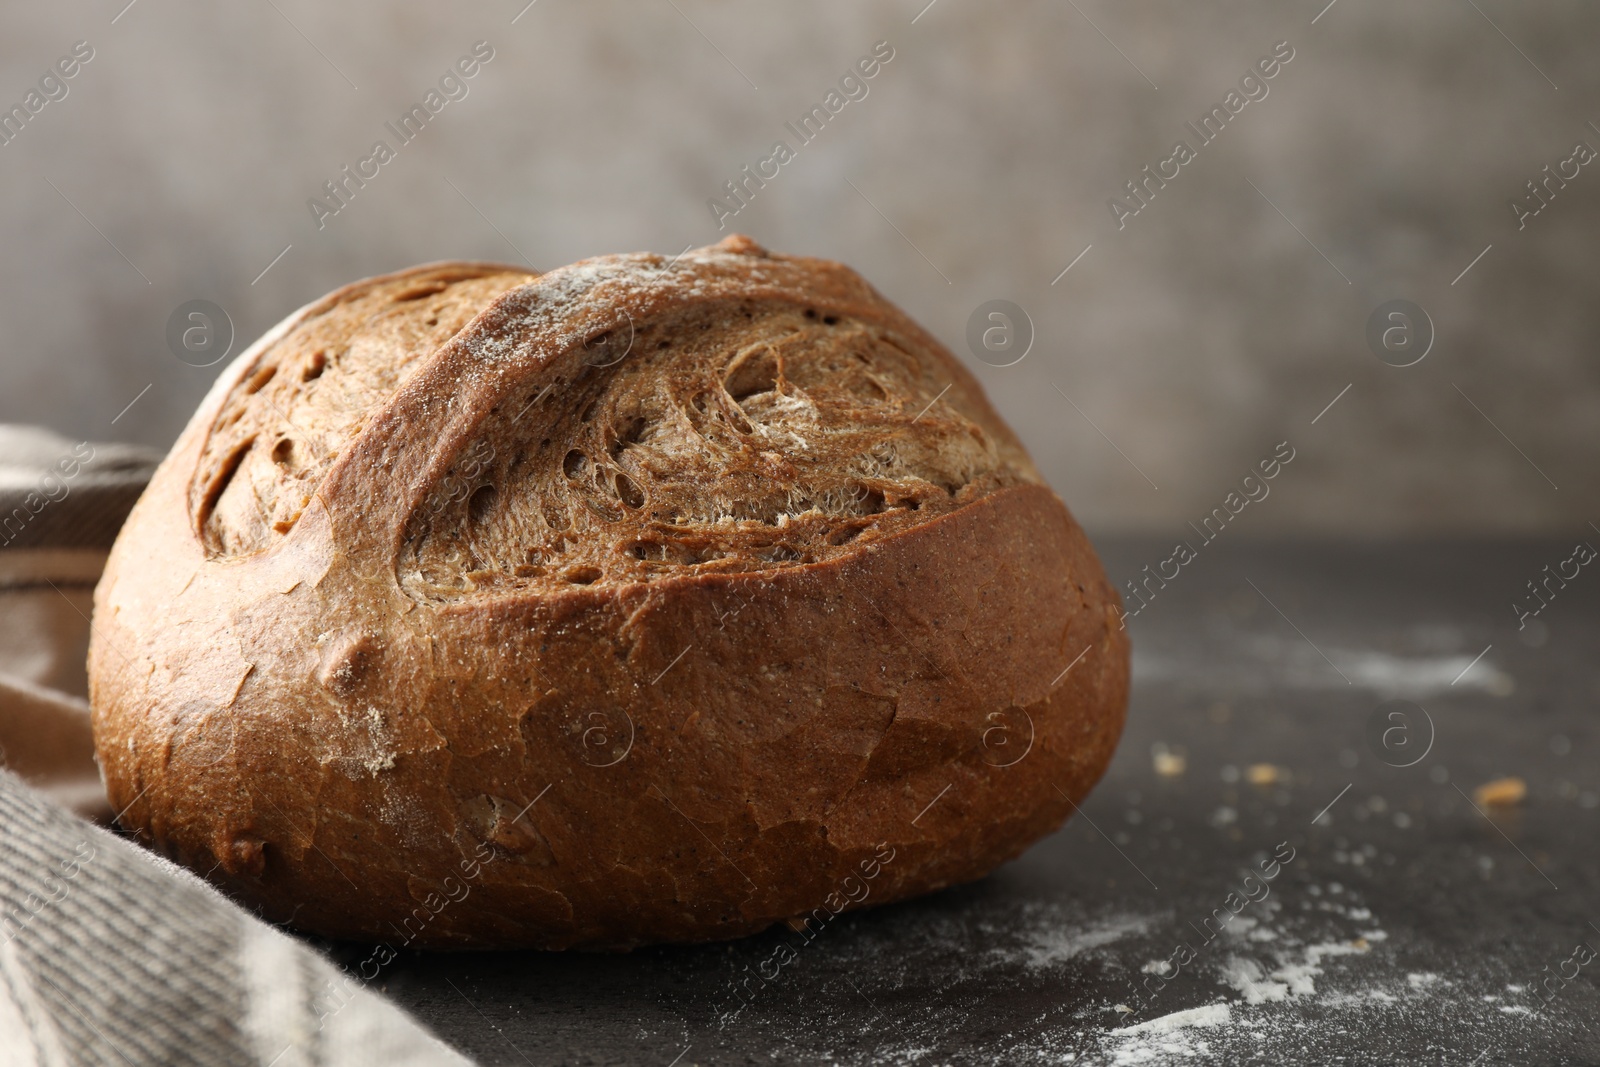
(640, 601)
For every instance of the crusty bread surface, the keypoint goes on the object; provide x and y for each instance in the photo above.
(643, 600)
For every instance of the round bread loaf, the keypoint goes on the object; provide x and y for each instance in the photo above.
(645, 600)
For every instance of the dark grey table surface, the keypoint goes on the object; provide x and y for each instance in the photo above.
(1411, 925)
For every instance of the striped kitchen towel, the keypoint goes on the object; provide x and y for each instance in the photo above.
(110, 955)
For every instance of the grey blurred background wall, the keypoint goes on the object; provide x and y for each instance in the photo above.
(1177, 351)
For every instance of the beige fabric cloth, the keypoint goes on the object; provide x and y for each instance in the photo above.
(46, 595)
(61, 504)
(46, 598)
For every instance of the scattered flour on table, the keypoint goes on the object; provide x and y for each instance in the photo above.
(1280, 664)
(1272, 985)
(1210, 1015)
(1052, 944)
(1294, 981)
(1293, 976)
(1168, 1036)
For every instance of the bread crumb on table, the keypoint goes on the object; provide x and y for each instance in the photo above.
(1501, 793)
(1265, 774)
(1169, 762)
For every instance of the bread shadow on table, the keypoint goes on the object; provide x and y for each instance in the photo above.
(911, 966)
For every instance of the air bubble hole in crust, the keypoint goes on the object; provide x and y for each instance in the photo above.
(845, 534)
(482, 502)
(224, 477)
(418, 292)
(260, 378)
(602, 508)
(737, 420)
(634, 432)
(752, 373)
(630, 493)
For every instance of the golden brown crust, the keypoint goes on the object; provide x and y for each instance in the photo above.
(465, 690)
